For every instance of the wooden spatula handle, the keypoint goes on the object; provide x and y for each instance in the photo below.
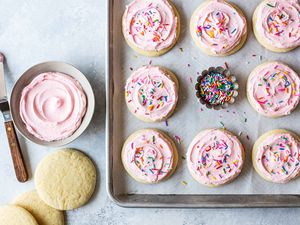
(16, 154)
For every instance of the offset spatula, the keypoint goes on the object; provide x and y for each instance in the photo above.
(14, 145)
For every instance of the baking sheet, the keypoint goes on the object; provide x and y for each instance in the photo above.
(185, 60)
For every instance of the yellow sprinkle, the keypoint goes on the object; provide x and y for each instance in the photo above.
(183, 183)
(151, 107)
(211, 34)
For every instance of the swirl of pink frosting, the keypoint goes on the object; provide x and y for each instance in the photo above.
(52, 106)
(274, 89)
(215, 157)
(218, 26)
(277, 157)
(151, 93)
(150, 25)
(278, 22)
(149, 156)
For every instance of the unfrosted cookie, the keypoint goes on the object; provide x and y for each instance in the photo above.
(14, 215)
(149, 156)
(276, 24)
(65, 179)
(218, 28)
(151, 93)
(273, 89)
(215, 157)
(151, 27)
(44, 214)
(275, 156)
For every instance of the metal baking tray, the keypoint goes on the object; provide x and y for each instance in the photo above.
(116, 123)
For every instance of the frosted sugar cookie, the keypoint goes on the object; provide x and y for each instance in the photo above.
(215, 157)
(151, 27)
(218, 28)
(151, 93)
(275, 156)
(149, 156)
(276, 24)
(273, 89)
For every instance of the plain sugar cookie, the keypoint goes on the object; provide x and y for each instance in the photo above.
(65, 179)
(15, 215)
(44, 214)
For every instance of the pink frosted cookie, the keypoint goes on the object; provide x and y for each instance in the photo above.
(276, 24)
(275, 156)
(149, 156)
(151, 27)
(273, 89)
(151, 93)
(218, 28)
(215, 157)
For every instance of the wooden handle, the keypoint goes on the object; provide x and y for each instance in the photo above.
(16, 154)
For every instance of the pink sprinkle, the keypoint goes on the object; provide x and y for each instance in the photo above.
(177, 139)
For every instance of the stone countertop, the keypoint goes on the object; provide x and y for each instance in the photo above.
(34, 31)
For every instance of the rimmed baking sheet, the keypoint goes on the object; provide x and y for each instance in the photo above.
(185, 60)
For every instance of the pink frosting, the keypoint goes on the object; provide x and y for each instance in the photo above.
(274, 89)
(149, 156)
(219, 26)
(150, 25)
(277, 157)
(215, 157)
(151, 93)
(52, 106)
(278, 22)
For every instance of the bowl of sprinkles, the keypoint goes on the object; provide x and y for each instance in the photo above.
(216, 88)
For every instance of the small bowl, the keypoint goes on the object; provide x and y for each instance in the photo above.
(229, 76)
(28, 76)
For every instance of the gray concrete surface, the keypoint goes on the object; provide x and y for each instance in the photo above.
(33, 31)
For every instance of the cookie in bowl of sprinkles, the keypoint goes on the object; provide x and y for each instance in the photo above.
(216, 88)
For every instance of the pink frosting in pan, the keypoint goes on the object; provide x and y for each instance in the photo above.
(52, 106)
(215, 157)
(274, 89)
(150, 25)
(219, 27)
(278, 22)
(277, 157)
(151, 93)
(149, 156)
